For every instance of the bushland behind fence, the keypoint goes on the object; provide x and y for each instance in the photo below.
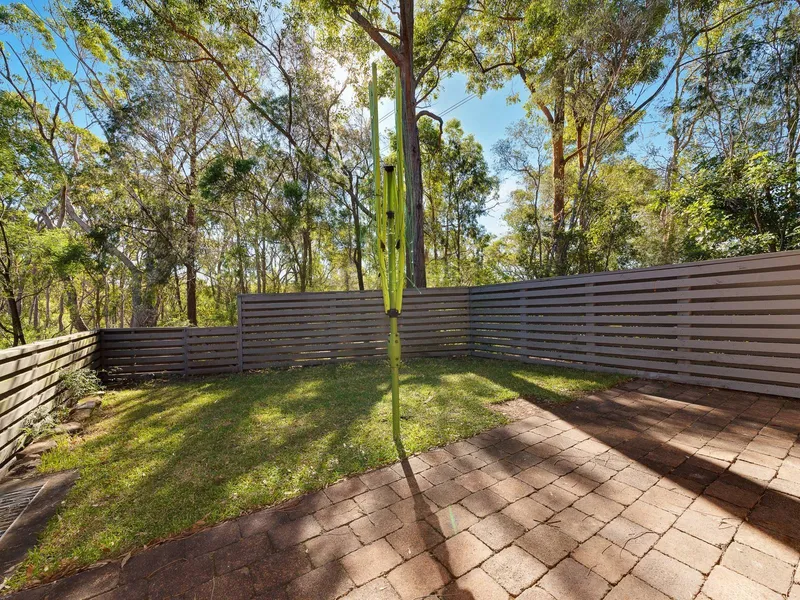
(732, 323)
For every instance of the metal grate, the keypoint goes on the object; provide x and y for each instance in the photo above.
(13, 504)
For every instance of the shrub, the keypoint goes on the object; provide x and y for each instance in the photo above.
(80, 383)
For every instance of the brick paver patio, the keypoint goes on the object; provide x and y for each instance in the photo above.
(647, 491)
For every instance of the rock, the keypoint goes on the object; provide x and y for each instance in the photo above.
(90, 404)
(80, 414)
(25, 467)
(71, 428)
(38, 447)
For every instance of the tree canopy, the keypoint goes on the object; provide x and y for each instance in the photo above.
(159, 158)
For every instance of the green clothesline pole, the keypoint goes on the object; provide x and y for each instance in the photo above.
(390, 220)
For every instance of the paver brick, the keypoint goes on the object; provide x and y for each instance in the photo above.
(575, 524)
(484, 502)
(689, 550)
(713, 529)
(467, 463)
(377, 589)
(618, 492)
(649, 516)
(554, 497)
(759, 567)
(497, 531)
(325, 583)
(633, 588)
(376, 499)
(413, 509)
(338, 514)
(547, 544)
(176, 578)
(535, 593)
(779, 546)
(605, 558)
(461, 448)
(461, 553)
(279, 568)
(501, 469)
(436, 457)
(245, 551)
(475, 480)
(524, 459)
(331, 545)
(418, 577)
(440, 474)
(599, 507)
(527, 512)
(294, 532)
(236, 585)
(514, 569)
(414, 538)
(724, 584)
(212, 539)
(371, 561)
(376, 525)
(537, 477)
(570, 579)
(446, 493)
(511, 489)
(406, 487)
(629, 535)
(379, 477)
(669, 576)
(636, 478)
(345, 489)
(452, 520)
(475, 584)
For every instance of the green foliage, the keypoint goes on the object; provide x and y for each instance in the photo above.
(742, 205)
(80, 383)
(459, 189)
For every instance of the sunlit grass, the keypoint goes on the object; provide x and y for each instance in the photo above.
(164, 456)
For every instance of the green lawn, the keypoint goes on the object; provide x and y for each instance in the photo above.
(161, 457)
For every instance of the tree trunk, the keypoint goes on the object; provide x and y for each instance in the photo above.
(191, 238)
(559, 180)
(414, 198)
(72, 306)
(191, 270)
(357, 252)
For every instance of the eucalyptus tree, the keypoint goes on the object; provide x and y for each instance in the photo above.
(591, 69)
(459, 191)
(416, 38)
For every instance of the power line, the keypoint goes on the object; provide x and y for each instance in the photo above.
(449, 109)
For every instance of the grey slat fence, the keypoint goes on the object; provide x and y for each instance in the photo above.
(29, 379)
(291, 329)
(144, 352)
(732, 323)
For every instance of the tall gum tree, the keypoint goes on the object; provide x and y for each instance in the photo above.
(415, 38)
(592, 69)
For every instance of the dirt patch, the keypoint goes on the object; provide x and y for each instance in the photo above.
(517, 409)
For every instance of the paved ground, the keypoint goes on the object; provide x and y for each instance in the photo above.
(648, 491)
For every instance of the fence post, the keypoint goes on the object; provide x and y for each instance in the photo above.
(589, 313)
(185, 351)
(470, 340)
(239, 341)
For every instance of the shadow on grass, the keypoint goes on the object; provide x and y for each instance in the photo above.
(170, 456)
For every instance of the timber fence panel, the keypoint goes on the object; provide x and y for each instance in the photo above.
(732, 323)
(29, 380)
(313, 328)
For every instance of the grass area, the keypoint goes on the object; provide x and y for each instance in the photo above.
(164, 456)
